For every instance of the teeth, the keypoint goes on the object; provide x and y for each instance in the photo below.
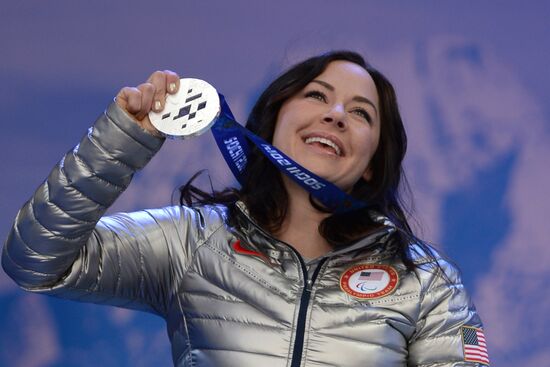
(324, 141)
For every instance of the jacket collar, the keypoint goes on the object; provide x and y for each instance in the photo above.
(379, 236)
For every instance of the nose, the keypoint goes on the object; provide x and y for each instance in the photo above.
(336, 115)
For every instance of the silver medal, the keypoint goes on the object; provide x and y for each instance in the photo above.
(190, 112)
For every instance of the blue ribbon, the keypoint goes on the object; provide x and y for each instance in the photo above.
(231, 139)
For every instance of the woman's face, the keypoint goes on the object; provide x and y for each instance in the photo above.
(332, 126)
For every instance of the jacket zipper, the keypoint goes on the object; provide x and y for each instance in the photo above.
(304, 300)
(302, 313)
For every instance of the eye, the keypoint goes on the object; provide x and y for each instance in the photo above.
(317, 95)
(363, 114)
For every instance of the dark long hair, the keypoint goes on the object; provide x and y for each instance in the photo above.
(263, 186)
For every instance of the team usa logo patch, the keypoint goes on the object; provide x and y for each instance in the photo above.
(369, 281)
(475, 348)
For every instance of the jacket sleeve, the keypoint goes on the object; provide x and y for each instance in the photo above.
(447, 316)
(56, 245)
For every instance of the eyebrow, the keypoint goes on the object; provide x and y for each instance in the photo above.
(356, 98)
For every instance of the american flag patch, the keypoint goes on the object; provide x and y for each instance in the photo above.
(475, 348)
(371, 275)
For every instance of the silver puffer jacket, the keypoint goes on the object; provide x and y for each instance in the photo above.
(231, 295)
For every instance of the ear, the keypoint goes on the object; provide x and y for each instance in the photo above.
(367, 175)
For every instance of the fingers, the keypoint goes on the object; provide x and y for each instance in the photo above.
(146, 92)
(137, 101)
(150, 95)
(129, 98)
(164, 82)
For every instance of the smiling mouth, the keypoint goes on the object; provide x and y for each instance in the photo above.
(325, 144)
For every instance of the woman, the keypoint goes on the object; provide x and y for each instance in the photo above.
(263, 275)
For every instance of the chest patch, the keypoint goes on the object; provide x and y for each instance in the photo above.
(369, 281)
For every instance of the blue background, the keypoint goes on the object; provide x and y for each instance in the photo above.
(472, 80)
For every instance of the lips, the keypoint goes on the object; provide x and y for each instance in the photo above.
(325, 140)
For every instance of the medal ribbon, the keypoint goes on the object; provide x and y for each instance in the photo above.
(231, 139)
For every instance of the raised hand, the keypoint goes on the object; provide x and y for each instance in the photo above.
(149, 96)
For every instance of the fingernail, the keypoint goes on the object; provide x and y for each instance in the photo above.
(157, 105)
(172, 87)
